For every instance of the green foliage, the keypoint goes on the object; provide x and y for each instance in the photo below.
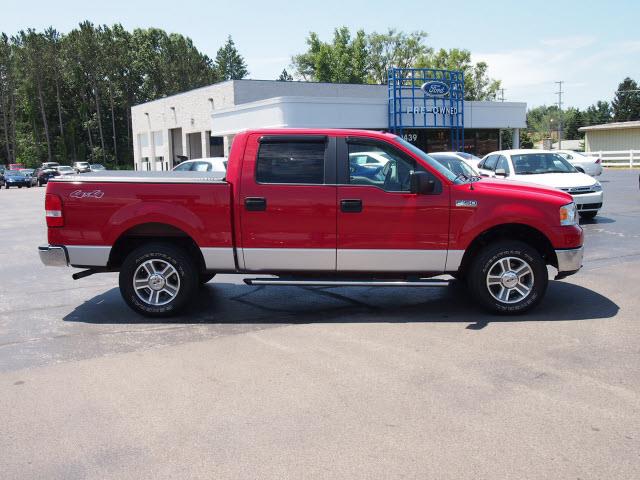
(229, 62)
(71, 95)
(285, 76)
(626, 103)
(368, 58)
(477, 85)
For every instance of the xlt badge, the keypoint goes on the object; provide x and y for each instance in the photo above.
(467, 203)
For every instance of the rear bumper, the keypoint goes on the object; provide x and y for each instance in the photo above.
(569, 261)
(53, 256)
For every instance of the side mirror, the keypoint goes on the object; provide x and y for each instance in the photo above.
(422, 183)
(501, 172)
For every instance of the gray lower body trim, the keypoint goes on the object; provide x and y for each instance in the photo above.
(570, 260)
(52, 256)
(218, 258)
(387, 260)
(88, 255)
(289, 259)
(454, 259)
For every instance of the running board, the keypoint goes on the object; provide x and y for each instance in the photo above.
(348, 283)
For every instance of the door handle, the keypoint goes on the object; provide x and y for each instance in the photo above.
(255, 204)
(351, 206)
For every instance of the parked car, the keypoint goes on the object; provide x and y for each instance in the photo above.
(216, 165)
(65, 170)
(29, 173)
(43, 175)
(15, 178)
(289, 212)
(367, 164)
(97, 167)
(49, 165)
(546, 168)
(15, 166)
(589, 165)
(455, 163)
(1, 177)
(468, 158)
(81, 167)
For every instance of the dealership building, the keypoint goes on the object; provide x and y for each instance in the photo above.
(428, 110)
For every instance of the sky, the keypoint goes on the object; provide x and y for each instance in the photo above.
(591, 46)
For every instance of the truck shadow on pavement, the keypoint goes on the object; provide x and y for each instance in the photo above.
(227, 303)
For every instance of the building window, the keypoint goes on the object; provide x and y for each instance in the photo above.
(291, 162)
(143, 140)
(157, 139)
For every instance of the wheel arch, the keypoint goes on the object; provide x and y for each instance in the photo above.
(510, 231)
(149, 232)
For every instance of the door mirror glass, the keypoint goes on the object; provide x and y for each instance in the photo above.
(422, 183)
(501, 172)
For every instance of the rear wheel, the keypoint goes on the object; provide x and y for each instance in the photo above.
(509, 277)
(158, 280)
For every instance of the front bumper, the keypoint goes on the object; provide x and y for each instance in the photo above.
(53, 256)
(569, 261)
(589, 201)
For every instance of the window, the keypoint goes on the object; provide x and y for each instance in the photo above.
(290, 162)
(143, 140)
(157, 139)
(393, 175)
(535, 163)
(490, 162)
(502, 163)
(183, 167)
(201, 167)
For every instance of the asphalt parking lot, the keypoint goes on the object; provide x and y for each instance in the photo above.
(287, 382)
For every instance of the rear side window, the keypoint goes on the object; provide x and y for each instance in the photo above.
(290, 162)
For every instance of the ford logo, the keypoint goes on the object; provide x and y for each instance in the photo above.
(435, 88)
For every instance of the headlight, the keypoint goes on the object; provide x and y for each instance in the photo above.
(568, 214)
(597, 187)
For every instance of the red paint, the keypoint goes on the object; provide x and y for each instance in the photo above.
(301, 216)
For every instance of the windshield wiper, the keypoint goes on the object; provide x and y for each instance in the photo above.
(461, 175)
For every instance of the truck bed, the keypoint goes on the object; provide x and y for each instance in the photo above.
(129, 176)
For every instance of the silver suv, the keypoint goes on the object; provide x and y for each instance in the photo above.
(81, 167)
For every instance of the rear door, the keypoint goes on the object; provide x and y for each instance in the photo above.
(288, 202)
(382, 227)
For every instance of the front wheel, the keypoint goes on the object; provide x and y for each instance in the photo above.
(206, 277)
(509, 277)
(158, 279)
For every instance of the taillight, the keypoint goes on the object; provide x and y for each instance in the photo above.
(53, 210)
(597, 160)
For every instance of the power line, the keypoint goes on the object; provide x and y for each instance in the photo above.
(559, 93)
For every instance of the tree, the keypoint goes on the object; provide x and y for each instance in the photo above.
(573, 119)
(598, 114)
(229, 62)
(344, 60)
(394, 49)
(626, 102)
(477, 84)
(285, 76)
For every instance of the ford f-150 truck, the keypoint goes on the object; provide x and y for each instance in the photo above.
(291, 206)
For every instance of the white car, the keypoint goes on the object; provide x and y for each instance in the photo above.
(467, 158)
(65, 170)
(216, 165)
(455, 163)
(589, 165)
(546, 168)
(369, 159)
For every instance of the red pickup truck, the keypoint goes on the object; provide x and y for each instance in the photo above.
(303, 207)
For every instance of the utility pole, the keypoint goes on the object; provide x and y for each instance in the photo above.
(559, 93)
(502, 94)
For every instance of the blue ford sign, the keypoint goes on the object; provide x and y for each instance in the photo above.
(435, 88)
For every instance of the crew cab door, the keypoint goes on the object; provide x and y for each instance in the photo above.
(382, 227)
(288, 204)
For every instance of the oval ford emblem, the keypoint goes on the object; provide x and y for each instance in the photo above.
(435, 88)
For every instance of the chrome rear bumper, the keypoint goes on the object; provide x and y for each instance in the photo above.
(569, 261)
(53, 256)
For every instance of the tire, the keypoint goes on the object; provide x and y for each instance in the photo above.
(206, 278)
(588, 215)
(171, 291)
(497, 267)
(19, 186)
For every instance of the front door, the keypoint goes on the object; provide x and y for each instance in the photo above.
(288, 204)
(382, 227)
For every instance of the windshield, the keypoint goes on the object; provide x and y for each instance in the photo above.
(65, 169)
(13, 173)
(97, 166)
(429, 161)
(468, 156)
(456, 166)
(537, 163)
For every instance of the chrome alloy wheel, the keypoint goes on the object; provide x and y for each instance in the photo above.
(156, 282)
(510, 280)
